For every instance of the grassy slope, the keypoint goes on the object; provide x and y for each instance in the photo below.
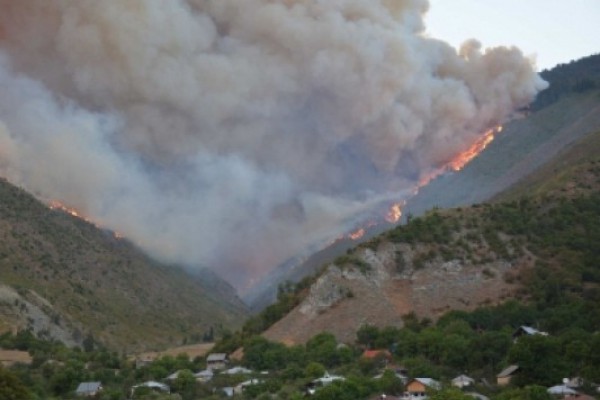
(564, 173)
(102, 285)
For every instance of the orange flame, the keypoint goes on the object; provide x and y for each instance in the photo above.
(57, 205)
(357, 234)
(480, 144)
(461, 159)
(394, 213)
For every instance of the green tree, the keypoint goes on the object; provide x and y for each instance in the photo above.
(185, 384)
(261, 354)
(314, 370)
(540, 360)
(367, 335)
(350, 389)
(527, 393)
(11, 388)
(389, 383)
(449, 394)
(323, 348)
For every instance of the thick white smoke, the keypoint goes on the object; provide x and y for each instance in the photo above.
(233, 134)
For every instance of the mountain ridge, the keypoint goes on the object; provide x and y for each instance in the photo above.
(81, 282)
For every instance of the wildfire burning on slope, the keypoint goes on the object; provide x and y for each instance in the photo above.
(394, 213)
(357, 234)
(57, 205)
(480, 144)
(180, 119)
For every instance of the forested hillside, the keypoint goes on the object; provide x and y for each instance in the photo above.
(63, 278)
(553, 221)
(575, 77)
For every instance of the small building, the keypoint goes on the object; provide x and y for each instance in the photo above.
(153, 385)
(504, 377)
(382, 353)
(237, 371)
(325, 380)
(204, 375)
(575, 382)
(217, 361)
(242, 386)
(174, 375)
(88, 389)
(526, 331)
(561, 390)
(462, 381)
(418, 388)
(144, 361)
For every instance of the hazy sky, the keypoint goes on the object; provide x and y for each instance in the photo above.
(557, 31)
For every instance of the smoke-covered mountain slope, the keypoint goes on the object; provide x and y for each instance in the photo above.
(64, 278)
(194, 127)
(459, 259)
(524, 146)
(570, 111)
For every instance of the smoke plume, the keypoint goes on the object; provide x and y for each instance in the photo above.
(234, 134)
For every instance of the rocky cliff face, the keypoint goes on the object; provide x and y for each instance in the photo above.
(380, 283)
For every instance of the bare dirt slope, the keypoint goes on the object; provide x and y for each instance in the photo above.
(347, 297)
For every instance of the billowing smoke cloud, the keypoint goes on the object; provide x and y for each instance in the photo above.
(231, 133)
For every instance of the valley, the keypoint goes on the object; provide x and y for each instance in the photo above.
(287, 200)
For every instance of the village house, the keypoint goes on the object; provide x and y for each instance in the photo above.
(526, 331)
(504, 377)
(373, 354)
(575, 382)
(325, 380)
(418, 388)
(88, 389)
(144, 361)
(237, 370)
(239, 389)
(561, 390)
(153, 385)
(217, 361)
(204, 375)
(462, 381)
(173, 376)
